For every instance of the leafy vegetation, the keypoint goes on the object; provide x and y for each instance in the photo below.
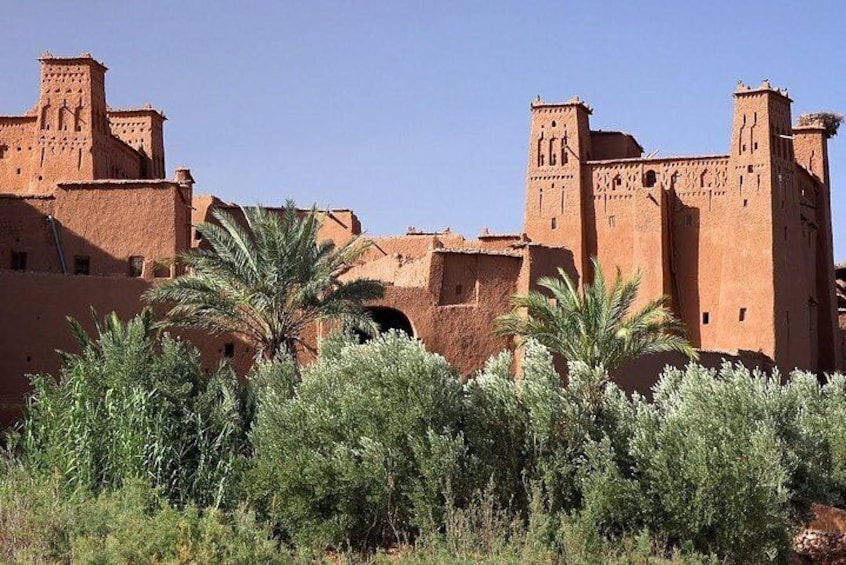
(132, 405)
(595, 325)
(267, 281)
(365, 449)
(381, 454)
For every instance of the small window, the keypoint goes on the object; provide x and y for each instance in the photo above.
(618, 180)
(229, 350)
(745, 202)
(82, 265)
(742, 315)
(706, 318)
(612, 221)
(459, 289)
(649, 179)
(19, 171)
(554, 223)
(748, 168)
(198, 235)
(136, 266)
(18, 261)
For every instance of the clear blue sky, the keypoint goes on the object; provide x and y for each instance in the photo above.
(416, 113)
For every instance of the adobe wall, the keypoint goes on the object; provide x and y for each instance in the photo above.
(24, 228)
(338, 226)
(40, 303)
(606, 145)
(18, 154)
(94, 213)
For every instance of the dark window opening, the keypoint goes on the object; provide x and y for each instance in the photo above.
(706, 318)
(618, 181)
(650, 179)
(136, 266)
(748, 168)
(554, 223)
(18, 261)
(198, 235)
(742, 315)
(229, 350)
(386, 319)
(82, 265)
(745, 202)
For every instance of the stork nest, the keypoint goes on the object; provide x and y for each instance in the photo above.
(830, 121)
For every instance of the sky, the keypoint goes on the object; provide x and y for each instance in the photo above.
(417, 113)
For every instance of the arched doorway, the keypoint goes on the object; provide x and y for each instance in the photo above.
(387, 319)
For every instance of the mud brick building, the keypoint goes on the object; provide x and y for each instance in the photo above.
(740, 242)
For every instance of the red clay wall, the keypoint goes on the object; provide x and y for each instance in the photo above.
(613, 145)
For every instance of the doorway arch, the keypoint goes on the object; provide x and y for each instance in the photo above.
(387, 319)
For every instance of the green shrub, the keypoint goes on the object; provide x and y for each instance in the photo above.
(711, 454)
(720, 462)
(535, 432)
(484, 532)
(363, 451)
(135, 406)
(41, 522)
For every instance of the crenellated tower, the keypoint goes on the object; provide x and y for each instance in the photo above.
(559, 145)
(143, 130)
(71, 120)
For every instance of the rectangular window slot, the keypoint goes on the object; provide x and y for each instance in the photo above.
(745, 202)
(136, 266)
(229, 350)
(82, 265)
(742, 315)
(706, 318)
(554, 223)
(18, 261)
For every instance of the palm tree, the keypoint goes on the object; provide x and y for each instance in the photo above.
(594, 326)
(267, 281)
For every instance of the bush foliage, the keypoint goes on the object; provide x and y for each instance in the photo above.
(365, 448)
(133, 405)
(135, 455)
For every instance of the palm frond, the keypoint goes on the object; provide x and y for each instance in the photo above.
(595, 325)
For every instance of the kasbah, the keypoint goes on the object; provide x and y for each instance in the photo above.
(741, 243)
